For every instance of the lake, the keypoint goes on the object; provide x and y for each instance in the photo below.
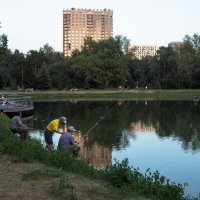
(160, 135)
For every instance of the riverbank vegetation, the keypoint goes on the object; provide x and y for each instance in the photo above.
(127, 182)
(101, 65)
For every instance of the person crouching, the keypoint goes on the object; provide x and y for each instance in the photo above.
(17, 127)
(67, 142)
(52, 127)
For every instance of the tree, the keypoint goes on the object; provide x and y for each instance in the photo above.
(1, 82)
(165, 63)
(43, 78)
(61, 74)
(185, 65)
(193, 43)
(124, 42)
(3, 44)
(50, 56)
(99, 64)
(35, 60)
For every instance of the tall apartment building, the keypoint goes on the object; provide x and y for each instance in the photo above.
(142, 51)
(175, 45)
(80, 23)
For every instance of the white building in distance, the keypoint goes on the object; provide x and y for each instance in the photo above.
(141, 51)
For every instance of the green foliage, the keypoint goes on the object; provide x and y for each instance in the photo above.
(121, 175)
(99, 64)
(1, 82)
(3, 44)
(43, 78)
(124, 43)
(102, 64)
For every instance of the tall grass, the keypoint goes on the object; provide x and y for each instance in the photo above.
(121, 175)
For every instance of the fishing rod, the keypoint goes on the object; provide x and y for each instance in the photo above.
(101, 118)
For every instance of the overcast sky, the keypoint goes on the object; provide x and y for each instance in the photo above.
(29, 24)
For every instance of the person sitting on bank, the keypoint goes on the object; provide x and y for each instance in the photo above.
(67, 142)
(17, 127)
(52, 127)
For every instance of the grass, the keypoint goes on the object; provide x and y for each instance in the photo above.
(112, 94)
(119, 95)
(41, 173)
(61, 187)
(129, 181)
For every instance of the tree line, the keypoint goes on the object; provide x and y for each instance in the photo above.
(101, 64)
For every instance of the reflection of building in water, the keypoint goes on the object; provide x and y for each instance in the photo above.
(141, 127)
(98, 155)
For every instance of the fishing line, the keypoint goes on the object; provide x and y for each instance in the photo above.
(101, 118)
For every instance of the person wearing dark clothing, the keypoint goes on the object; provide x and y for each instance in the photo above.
(67, 142)
(17, 127)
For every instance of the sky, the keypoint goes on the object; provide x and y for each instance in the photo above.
(30, 24)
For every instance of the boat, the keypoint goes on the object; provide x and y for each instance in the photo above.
(12, 103)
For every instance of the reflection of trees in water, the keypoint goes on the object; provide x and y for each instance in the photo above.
(182, 121)
(125, 138)
(178, 119)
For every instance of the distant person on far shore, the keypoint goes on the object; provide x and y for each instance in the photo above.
(54, 126)
(17, 127)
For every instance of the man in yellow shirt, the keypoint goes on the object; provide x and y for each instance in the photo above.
(52, 127)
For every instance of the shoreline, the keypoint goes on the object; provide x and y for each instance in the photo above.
(134, 94)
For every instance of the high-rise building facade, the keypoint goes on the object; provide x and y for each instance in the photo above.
(81, 23)
(142, 51)
(175, 45)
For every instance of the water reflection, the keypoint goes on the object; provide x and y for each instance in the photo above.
(167, 119)
(161, 135)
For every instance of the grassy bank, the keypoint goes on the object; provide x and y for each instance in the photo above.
(112, 94)
(123, 181)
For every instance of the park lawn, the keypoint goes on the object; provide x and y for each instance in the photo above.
(113, 94)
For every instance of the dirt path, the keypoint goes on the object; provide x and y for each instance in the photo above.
(13, 187)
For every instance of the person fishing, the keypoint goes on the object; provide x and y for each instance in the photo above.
(52, 127)
(17, 127)
(68, 143)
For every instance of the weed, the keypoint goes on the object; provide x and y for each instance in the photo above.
(122, 175)
(62, 188)
(38, 174)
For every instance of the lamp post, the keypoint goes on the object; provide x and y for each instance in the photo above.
(22, 78)
(23, 71)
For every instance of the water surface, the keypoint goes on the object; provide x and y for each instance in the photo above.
(160, 135)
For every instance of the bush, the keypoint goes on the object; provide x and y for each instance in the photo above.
(122, 175)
